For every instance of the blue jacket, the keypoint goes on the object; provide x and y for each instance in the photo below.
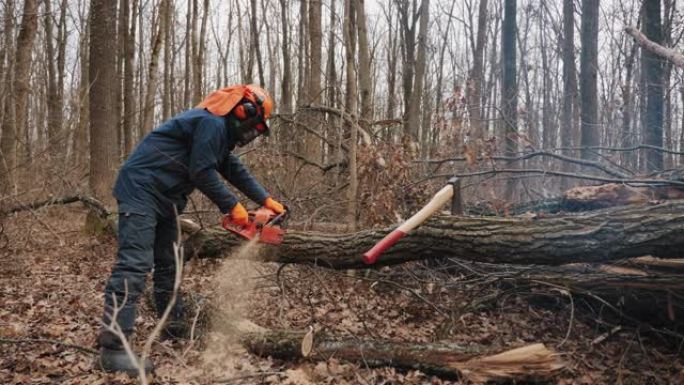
(186, 152)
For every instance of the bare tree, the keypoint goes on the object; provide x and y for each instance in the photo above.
(365, 81)
(102, 74)
(652, 74)
(153, 72)
(589, 134)
(22, 66)
(129, 109)
(8, 138)
(286, 85)
(476, 75)
(55, 72)
(351, 105)
(509, 83)
(254, 36)
(568, 124)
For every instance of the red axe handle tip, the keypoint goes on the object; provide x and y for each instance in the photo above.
(437, 201)
(371, 256)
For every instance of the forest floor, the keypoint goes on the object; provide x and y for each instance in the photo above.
(51, 288)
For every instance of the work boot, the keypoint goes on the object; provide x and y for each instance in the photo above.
(177, 326)
(114, 359)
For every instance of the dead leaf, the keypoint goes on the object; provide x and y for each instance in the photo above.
(307, 342)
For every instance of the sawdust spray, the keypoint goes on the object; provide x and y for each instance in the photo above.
(233, 287)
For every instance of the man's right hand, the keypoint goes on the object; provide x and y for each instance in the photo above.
(238, 215)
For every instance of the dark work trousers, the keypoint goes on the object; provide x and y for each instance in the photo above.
(145, 243)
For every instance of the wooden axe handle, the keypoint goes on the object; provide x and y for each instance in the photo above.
(440, 199)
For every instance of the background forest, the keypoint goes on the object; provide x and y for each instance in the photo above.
(419, 81)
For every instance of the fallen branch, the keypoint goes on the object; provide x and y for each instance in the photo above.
(92, 204)
(668, 53)
(445, 360)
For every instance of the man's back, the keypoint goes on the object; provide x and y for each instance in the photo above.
(158, 173)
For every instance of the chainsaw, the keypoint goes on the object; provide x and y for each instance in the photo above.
(262, 222)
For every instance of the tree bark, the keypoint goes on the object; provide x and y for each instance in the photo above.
(8, 138)
(589, 133)
(351, 106)
(413, 112)
(568, 124)
(476, 75)
(652, 78)
(55, 72)
(603, 235)
(509, 85)
(22, 67)
(365, 81)
(129, 74)
(153, 72)
(311, 144)
(286, 86)
(444, 360)
(670, 54)
(103, 149)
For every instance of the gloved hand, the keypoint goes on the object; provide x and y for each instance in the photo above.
(238, 215)
(274, 205)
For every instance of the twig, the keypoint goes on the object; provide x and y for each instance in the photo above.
(541, 153)
(651, 182)
(246, 377)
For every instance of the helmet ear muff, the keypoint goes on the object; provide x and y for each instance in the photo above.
(245, 110)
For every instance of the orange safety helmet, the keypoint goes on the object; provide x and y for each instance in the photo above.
(250, 104)
(224, 100)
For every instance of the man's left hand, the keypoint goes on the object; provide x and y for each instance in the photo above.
(274, 205)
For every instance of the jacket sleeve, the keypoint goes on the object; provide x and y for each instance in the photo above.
(208, 142)
(239, 176)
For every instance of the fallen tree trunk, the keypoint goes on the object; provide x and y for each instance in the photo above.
(604, 235)
(445, 360)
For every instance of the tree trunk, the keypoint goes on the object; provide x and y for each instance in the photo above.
(54, 93)
(8, 137)
(445, 360)
(198, 60)
(603, 235)
(167, 109)
(80, 139)
(153, 72)
(312, 144)
(652, 79)
(365, 81)
(474, 90)
(509, 85)
(351, 106)
(408, 37)
(22, 68)
(413, 113)
(104, 158)
(129, 74)
(254, 35)
(589, 132)
(286, 86)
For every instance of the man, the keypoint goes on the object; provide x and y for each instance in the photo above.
(186, 152)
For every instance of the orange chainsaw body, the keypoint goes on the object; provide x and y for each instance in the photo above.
(262, 222)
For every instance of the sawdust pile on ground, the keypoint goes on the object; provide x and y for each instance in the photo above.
(233, 286)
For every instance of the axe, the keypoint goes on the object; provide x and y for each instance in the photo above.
(451, 190)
